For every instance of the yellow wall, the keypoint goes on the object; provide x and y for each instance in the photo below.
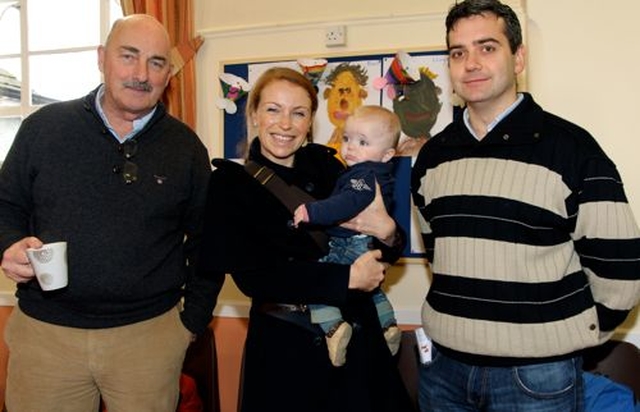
(581, 59)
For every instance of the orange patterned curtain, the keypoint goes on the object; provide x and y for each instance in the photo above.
(177, 17)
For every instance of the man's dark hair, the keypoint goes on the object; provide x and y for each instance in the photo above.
(468, 8)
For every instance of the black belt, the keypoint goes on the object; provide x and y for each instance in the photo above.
(294, 314)
(281, 307)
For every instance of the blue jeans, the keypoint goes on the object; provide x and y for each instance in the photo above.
(346, 251)
(447, 385)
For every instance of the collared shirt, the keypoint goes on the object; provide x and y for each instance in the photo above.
(138, 124)
(495, 121)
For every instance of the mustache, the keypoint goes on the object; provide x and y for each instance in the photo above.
(134, 84)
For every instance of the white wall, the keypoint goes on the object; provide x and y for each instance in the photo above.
(579, 53)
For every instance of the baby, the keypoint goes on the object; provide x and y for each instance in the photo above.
(369, 142)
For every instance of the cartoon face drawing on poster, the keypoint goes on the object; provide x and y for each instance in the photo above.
(418, 106)
(345, 92)
(422, 101)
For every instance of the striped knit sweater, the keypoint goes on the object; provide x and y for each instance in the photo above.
(534, 250)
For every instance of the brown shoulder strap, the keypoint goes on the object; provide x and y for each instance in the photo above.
(291, 196)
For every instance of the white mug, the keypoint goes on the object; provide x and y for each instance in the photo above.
(50, 265)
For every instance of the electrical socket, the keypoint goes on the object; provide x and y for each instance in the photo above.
(335, 36)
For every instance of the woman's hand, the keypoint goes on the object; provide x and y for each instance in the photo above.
(374, 220)
(367, 272)
(410, 146)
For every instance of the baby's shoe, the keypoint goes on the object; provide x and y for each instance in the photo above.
(393, 335)
(337, 343)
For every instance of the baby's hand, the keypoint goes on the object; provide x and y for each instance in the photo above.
(300, 215)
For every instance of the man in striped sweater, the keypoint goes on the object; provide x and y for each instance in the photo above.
(534, 250)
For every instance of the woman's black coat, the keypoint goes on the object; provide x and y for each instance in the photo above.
(287, 368)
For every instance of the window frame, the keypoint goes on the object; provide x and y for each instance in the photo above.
(25, 107)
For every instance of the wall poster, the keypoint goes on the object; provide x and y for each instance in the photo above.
(415, 85)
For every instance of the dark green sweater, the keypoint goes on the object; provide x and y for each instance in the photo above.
(128, 245)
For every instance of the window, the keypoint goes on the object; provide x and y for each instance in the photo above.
(48, 53)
